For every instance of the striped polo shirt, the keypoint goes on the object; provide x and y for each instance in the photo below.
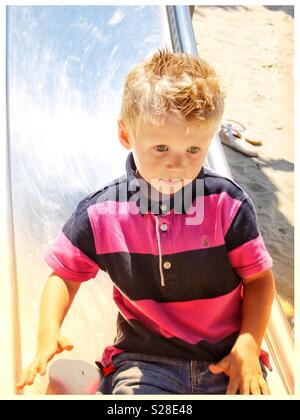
(177, 285)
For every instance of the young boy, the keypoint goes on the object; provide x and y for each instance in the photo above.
(192, 277)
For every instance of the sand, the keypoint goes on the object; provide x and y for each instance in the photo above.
(251, 48)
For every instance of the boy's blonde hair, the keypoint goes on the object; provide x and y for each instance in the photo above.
(180, 85)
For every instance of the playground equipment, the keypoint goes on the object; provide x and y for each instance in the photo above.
(65, 68)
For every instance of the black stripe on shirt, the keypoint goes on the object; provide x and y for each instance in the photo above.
(244, 226)
(196, 274)
(132, 336)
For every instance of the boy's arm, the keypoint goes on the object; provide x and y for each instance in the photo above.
(258, 295)
(242, 364)
(57, 297)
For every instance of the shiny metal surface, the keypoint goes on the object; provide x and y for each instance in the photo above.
(9, 316)
(280, 344)
(66, 66)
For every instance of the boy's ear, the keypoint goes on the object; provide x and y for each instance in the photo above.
(123, 135)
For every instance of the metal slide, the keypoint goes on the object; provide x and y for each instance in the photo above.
(65, 69)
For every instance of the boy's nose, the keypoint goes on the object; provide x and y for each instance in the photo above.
(175, 163)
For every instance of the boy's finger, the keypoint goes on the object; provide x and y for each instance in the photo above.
(69, 347)
(43, 366)
(219, 367)
(255, 388)
(20, 385)
(264, 387)
(22, 381)
(215, 369)
(32, 374)
(245, 388)
(49, 356)
(233, 386)
(30, 379)
(65, 344)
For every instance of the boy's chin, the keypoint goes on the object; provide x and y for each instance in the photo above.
(167, 190)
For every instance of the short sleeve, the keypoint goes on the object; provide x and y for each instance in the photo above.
(73, 255)
(246, 249)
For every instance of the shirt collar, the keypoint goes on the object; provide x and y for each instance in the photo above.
(161, 205)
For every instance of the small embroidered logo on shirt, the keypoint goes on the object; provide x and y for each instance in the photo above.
(204, 241)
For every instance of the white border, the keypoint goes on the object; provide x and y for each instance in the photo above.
(6, 304)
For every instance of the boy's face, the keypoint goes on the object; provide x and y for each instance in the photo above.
(169, 156)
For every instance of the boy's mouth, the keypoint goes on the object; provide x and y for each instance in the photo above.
(174, 181)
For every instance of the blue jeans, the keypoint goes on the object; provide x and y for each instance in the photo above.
(139, 374)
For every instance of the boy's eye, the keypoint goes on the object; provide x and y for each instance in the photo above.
(161, 148)
(193, 149)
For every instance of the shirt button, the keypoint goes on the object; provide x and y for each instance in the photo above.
(167, 265)
(164, 207)
(163, 227)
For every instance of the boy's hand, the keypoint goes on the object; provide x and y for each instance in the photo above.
(244, 371)
(48, 347)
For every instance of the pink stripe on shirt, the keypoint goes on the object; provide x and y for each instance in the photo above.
(117, 226)
(250, 258)
(69, 262)
(192, 321)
